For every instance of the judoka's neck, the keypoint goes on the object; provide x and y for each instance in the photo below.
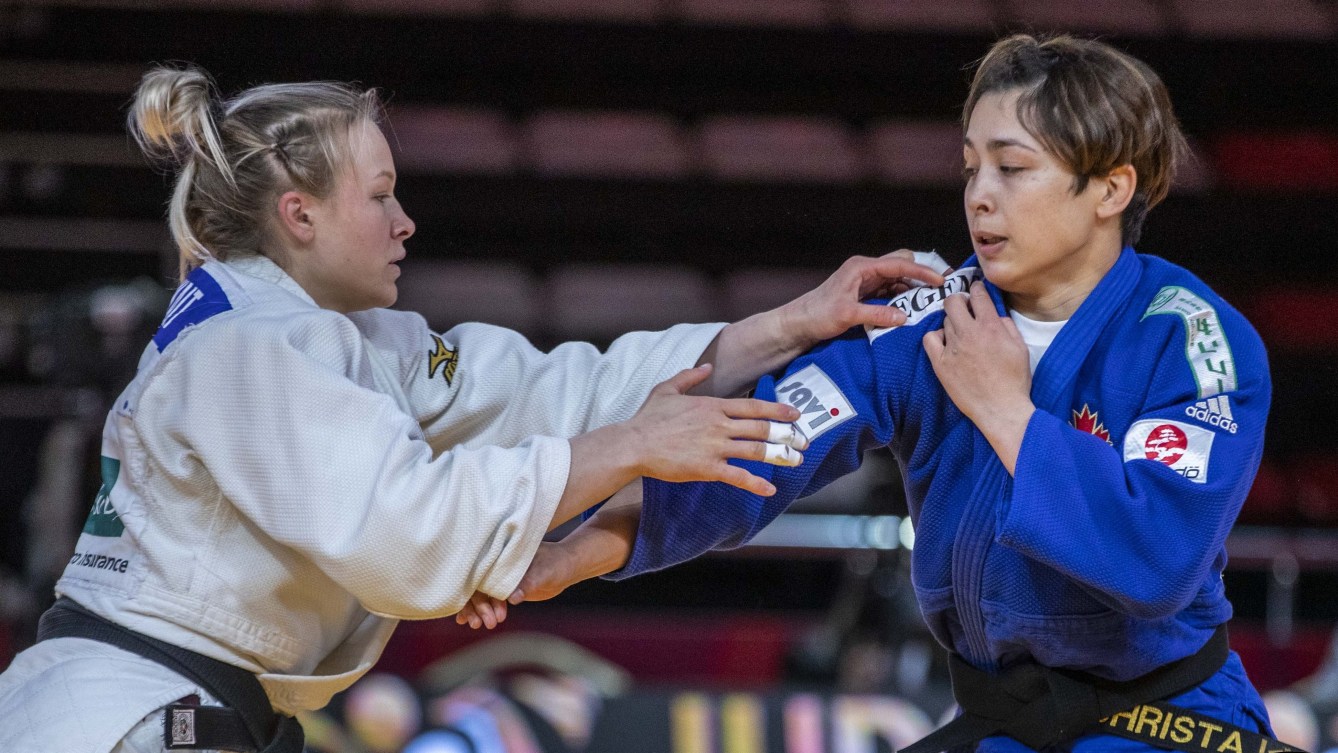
(1057, 300)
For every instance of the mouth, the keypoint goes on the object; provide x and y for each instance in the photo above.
(988, 244)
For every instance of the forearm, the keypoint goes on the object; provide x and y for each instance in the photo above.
(602, 462)
(1004, 426)
(604, 542)
(745, 350)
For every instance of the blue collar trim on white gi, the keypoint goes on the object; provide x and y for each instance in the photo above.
(198, 298)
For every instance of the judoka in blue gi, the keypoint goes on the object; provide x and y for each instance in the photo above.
(1077, 426)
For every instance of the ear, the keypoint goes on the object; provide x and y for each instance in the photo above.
(295, 216)
(1117, 190)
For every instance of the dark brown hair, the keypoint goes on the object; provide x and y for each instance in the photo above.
(1094, 107)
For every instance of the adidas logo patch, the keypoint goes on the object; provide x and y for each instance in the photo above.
(1215, 411)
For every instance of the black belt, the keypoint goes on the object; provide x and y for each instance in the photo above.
(1040, 706)
(245, 723)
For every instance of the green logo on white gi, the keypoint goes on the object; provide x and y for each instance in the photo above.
(1206, 346)
(102, 519)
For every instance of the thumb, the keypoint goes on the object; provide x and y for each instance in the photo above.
(686, 379)
(881, 316)
(933, 342)
(516, 596)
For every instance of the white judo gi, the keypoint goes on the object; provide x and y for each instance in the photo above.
(283, 483)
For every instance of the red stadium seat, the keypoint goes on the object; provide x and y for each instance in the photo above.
(1259, 19)
(1272, 499)
(797, 149)
(452, 140)
(753, 289)
(602, 301)
(435, 7)
(1317, 487)
(917, 153)
(1277, 161)
(619, 144)
(756, 12)
(945, 15)
(593, 10)
(1141, 17)
(1293, 318)
(447, 293)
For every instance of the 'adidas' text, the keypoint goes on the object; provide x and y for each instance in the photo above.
(1215, 411)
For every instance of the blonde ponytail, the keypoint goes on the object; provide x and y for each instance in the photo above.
(235, 157)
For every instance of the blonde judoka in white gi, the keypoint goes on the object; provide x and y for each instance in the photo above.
(295, 468)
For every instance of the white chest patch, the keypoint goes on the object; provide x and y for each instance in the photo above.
(1184, 447)
(821, 404)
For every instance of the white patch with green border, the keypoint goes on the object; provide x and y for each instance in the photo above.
(1206, 346)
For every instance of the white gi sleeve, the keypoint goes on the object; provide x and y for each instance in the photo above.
(275, 415)
(479, 384)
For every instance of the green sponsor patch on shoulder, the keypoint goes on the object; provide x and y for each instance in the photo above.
(102, 519)
(1206, 346)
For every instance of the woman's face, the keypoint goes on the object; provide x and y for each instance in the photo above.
(361, 232)
(1032, 234)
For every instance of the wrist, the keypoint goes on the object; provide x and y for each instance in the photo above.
(1007, 423)
(785, 328)
(628, 450)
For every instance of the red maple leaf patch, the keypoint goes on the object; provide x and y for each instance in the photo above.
(1089, 422)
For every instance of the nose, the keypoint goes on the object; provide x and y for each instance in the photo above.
(979, 194)
(403, 227)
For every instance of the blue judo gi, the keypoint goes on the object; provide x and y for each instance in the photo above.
(1104, 553)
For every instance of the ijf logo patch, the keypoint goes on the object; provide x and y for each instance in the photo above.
(442, 358)
(821, 404)
(1183, 447)
(1088, 421)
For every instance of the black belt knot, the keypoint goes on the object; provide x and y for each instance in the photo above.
(1032, 704)
(1040, 706)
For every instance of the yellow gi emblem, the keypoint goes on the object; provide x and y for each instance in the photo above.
(442, 358)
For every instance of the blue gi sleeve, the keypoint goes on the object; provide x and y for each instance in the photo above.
(843, 412)
(1141, 522)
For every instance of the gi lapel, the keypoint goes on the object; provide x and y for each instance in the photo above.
(1059, 367)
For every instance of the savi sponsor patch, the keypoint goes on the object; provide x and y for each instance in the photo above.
(1183, 447)
(822, 406)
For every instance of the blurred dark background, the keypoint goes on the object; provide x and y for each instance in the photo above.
(581, 168)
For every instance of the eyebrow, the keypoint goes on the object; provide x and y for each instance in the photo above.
(385, 173)
(995, 145)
